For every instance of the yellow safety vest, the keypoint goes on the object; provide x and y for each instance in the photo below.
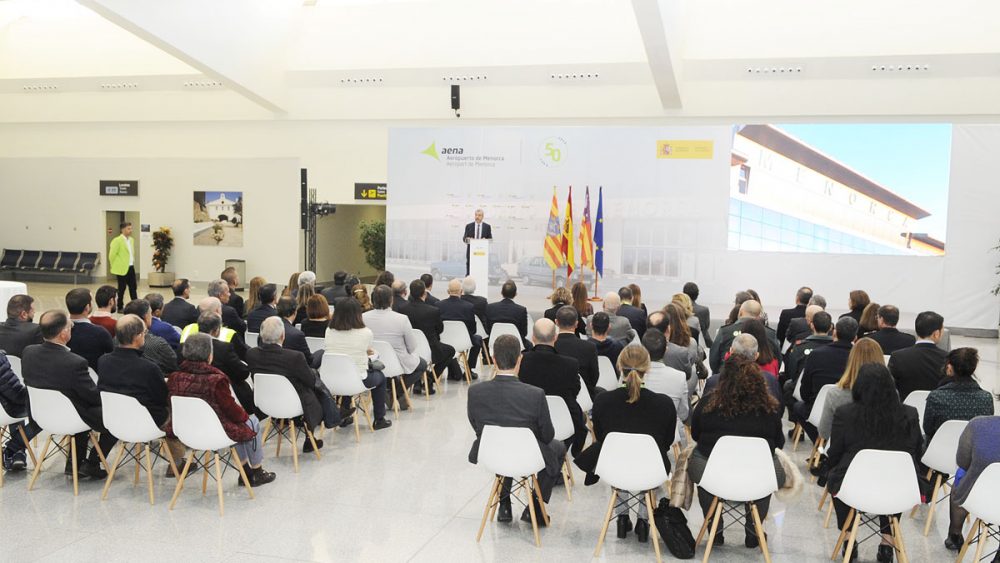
(225, 335)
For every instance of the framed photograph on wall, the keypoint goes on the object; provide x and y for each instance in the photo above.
(218, 218)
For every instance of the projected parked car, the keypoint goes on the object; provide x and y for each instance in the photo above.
(448, 269)
(534, 270)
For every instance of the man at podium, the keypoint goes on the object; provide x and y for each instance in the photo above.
(475, 230)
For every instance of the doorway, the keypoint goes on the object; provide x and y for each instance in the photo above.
(112, 228)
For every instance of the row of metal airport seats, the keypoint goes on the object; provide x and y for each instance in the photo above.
(49, 262)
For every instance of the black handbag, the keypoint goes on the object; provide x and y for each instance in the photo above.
(672, 527)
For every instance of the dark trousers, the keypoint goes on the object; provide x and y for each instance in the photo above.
(444, 357)
(376, 382)
(409, 379)
(477, 350)
(331, 412)
(129, 280)
(107, 441)
(801, 412)
(843, 510)
(15, 444)
(546, 477)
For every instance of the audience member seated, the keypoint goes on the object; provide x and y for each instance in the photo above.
(106, 299)
(158, 327)
(959, 397)
(295, 339)
(292, 287)
(888, 337)
(400, 297)
(230, 317)
(856, 303)
(394, 329)
(763, 314)
(89, 341)
(606, 346)
(197, 378)
(126, 372)
(637, 301)
(301, 303)
(360, 293)
(427, 319)
(348, 335)
(636, 318)
(14, 399)
(766, 357)
(19, 330)
(742, 406)
(235, 300)
(266, 297)
(824, 366)
(798, 329)
(618, 327)
(153, 348)
(865, 351)
(506, 311)
(385, 278)
(677, 356)
(978, 448)
(469, 294)
(581, 300)
(305, 278)
(802, 297)
(748, 347)
(556, 374)
(429, 284)
(820, 325)
(700, 311)
(687, 314)
(878, 420)
(583, 351)
(749, 309)
(225, 359)
(272, 357)
(681, 340)
(455, 308)
(921, 366)
(560, 297)
(734, 313)
(868, 325)
(178, 311)
(507, 402)
(662, 379)
(336, 291)
(253, 295)
(52, 365)
(633, 410)
(317, 317)
(226, 334)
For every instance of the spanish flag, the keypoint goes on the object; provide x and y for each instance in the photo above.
(567, 237)
(553, 240)
(586, 237)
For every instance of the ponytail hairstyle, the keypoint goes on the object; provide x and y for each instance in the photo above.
(633, 363)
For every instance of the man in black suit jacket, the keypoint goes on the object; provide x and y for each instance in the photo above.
(225, 359)
(51, 365)
(507, 402)
(19, 330)
(635, 316)
(126, 372)
(557, 373)
(748, 310)
(920, 367)
(338, 289)
(887, 336)
(475, 230)
(178, 311)
(266, 296)
(700, 311)
(824, 366)
(89, 340)
(428, 284)
(569, 344)
(478, 303)
(427, 319)
(454, 308)
(295, 339)
(506, 311)
(235, 300)
(802, 297)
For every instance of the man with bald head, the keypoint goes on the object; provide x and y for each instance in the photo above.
(556, 374)
(619, 326)
(750, 309)
(454, 308)
(798, 329)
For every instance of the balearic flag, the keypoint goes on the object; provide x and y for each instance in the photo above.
(586, 236)
(553, 240)
(599, 234)
(567, 237)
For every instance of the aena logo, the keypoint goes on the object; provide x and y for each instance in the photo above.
(432, 151)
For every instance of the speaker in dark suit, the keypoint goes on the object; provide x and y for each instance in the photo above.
(475, 230)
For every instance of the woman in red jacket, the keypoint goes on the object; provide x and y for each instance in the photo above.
(197, 378)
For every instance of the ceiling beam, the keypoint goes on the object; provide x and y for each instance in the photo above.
(649, 15)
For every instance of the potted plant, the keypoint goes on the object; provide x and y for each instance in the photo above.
(373, 243)
(163, 243)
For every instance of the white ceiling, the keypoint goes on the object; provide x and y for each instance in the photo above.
(148, 60)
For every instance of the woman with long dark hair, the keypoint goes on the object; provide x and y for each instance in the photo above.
(348, 335)
(580, 300)
(766, 359)
(875, 420)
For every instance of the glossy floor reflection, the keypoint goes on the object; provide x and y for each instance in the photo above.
(406, 493)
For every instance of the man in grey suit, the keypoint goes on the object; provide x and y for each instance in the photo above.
(394, 328)
(620, 326)
(700, 311)
(507, 402)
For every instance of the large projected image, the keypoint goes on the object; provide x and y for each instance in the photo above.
(840, 188)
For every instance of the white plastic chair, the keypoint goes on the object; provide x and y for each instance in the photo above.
(393, 369)
(607, 379)
(586, 403)
(940, 457)
(251, 339)
(130, 422)
(315, 344)
(739, 470)
(633, 466)
(198, 427)
(93, 374)
(15, 366)
(514, 453)
(5, 421)
(885, 359)
(562, 422)
(918, 400)
(877, 483)
(797, 392)
(340, 375)
(275, 396)
(424, 351)
(982, 504)
(815, 414)
(456, 335)
(55, 414)
(499, 329)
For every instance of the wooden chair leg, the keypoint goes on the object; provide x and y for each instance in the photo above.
(111, 471)
(707, 522)
(465, 366)
(852, 538)
(38, 464)
(295, 446)
(27, 445)
(760, 532)
(368, 410)
(204, 474)
(137, 456)
(829, 513)
(973, 532)
(607, 522)
(796, 436)
(149, 475)
(932, 505)
(277, 436)
(165, 450)
(395, 399)
(312, 440)
(541, 503)
(898, 540)
(715, 527)
(652, 526)
(100, 452)
(357, 432)
(180, 480)
(534, 519)
(243, 474)
(983, 538)
(843, 534)
(267, 431)
(76, 477)
(566, 472)
(494, 492)
(427, 388)
(218, 483)
(822, 498)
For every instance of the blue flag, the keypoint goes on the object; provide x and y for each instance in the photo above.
(599, 234)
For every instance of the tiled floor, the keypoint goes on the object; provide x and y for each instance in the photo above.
(404, 494)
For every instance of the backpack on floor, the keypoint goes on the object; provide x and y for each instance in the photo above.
(672, 526)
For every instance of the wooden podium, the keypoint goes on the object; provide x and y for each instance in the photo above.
(479, 265)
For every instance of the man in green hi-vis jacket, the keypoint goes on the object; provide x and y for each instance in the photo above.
(121, 257)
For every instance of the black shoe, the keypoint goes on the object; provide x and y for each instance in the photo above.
(720, 539)
(751, 540)
(473, 375)
(382, 423)
(791, 433)
(504, 513)
(180, 467)
(884, 554)
(624, 525)
(590, 479)
(526, 515)
(954, 542)
(345, 422)
(14, 461)
(642, 530)
(308, 446)
(418, 389)
(432, 391)
(258, 476)
(346, 413)
(92, 470)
